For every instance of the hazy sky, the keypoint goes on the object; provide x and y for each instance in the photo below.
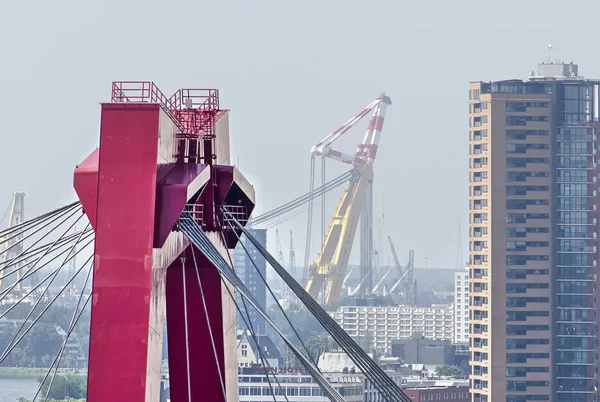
(290, 72)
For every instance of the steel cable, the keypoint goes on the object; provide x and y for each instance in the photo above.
(248, 324)
(371, 370)
(51, 281)
(250, 327)
(58, 216)
(34, 243)
(72, 324)
(44, 250)
(195, 234)
(14, 345)
(386, 386)
(30, 222)
(306, 197)
(36, 251)
(271, 292)
(302, 200)
(6, 292)
(26, 295)
(212, 339)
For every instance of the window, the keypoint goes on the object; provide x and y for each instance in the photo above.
(522, 176)
(522, 371)
(522, 273)
(522, 245)
(522, 357)
(523, 120)
(522, 287)
(522, 315)
(522, 204)
(522, 106)
(522, 148)
(522, 162)
(523, 134)
(522, 190)
(522, 343)
(522, 259)
(522, 329)
(522, 218)
(522, 232)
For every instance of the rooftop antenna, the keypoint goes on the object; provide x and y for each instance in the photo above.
(550, 48)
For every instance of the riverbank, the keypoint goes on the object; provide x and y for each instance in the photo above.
(35, 373)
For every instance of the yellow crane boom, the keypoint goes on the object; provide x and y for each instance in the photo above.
(332, 261)
(330, 268)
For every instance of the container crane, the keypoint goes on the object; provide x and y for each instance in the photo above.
(327, 273)
(13, 242)
(12, 246)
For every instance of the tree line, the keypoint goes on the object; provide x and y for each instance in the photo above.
(41, 344)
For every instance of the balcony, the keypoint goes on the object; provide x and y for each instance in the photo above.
(575, 137)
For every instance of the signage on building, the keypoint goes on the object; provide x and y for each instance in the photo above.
(280, 370)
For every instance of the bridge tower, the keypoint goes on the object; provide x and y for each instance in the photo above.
(159, 155)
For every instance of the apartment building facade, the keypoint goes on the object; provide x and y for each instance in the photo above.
(533, 237)
(246, 261)
(379, 326)
(461, 307)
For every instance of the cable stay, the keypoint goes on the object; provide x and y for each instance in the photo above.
(74, 320)
(25, 224)
(51, 274)
(248, 323)
(382, 382)
(264, 220)
(14, 255)
(36, 257)
(199, 240)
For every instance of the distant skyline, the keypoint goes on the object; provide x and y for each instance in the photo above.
(290, 73)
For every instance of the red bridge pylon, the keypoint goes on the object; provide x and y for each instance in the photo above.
(159, 156)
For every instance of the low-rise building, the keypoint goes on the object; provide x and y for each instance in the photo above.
(449, 393)
(296, 385)
(424, 351)
(248, 350)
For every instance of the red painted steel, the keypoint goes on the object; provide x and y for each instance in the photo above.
(85, 181)
(123, 253)
(205, 384)
(133, 190)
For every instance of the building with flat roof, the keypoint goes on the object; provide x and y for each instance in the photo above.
(424, 351)
(375, 327)
(461, 307)
(533, 237)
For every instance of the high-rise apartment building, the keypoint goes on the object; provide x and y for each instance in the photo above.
(533, 237)
(461, 307)
(246, 266)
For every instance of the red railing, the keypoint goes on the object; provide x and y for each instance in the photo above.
(193, 110)
(237, 212)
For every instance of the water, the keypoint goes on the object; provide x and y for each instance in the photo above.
(11, 389)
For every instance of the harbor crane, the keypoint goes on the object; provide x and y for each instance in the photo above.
(327, 273)
(408, 290)
(13, 243)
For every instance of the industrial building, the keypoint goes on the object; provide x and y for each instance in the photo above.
(533, 237)
(379, 326)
